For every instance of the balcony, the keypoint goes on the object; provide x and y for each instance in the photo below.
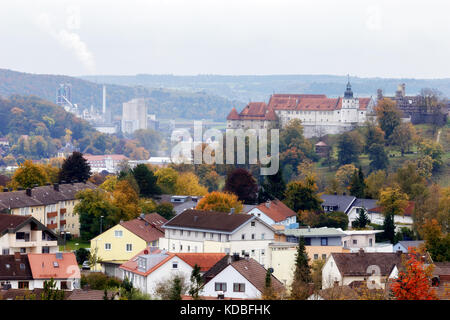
(52, 225)
(62, 222)
(52, 214)
(62, 211)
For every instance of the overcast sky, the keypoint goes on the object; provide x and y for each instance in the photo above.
(187, 37)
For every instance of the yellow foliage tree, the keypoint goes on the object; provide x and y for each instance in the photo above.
(126, 200)
(29, 174)
(187, 184)
(393, 200)
(220, 201)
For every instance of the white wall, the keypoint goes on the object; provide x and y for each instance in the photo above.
(229, 275)
(330, 273)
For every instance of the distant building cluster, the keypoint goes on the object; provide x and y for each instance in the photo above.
(319, 114)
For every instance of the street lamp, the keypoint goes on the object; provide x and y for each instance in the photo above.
(101, 224)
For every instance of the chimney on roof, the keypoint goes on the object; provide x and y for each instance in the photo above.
(28, 192)
(17, 256)
(361, 251)
(268, 204)
(56, 186)
(231, 211)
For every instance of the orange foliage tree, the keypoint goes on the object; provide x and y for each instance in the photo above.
(220, 201)
(414, 282)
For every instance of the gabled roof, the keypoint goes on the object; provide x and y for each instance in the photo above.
(414, 243)
(208, 220)
(43, 265)
(233, 115)
(13, 223)
(249, 268)
(276, 210)
(365, 203)
(15, 267)
(356, 264)
(342, 202)
(158, 259)
(409, 210)
(204, 260)
(147, 228)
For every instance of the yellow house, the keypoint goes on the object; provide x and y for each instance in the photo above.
(125, 240)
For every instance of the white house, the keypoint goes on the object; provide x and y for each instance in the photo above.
(25, 234)
(208, 231)
(274, 212)
(372, 268)
(404, 246)
(237, 278)
(364, 239)
(153, 266)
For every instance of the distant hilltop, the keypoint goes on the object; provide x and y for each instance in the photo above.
(259, 87)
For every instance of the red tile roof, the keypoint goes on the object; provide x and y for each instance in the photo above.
(204, 260)
(233, 115)
(131, 265)
(277, 210)
(43, 265)
(147, 228)
(409, 210)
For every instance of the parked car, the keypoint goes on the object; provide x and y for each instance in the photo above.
(86, 265)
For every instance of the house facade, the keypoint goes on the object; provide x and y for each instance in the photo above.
(208, 231)
(274, 212)
(375, 269)
(25, 234)
(126, 239)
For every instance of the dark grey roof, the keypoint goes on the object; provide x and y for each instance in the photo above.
(357, 263)
(14, 267)
(342, 202)
(12, 223)
(413, 243)
(365, 203)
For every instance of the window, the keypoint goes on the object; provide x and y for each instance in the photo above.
(316, 256)
(262, 236)
(64, 285)
(23, 284)
(23, 250)
(129, 247)
(118, 233)
(253, 236)
(370, 242)
(45, 249)
(220, 286)
(253, 252)
(181, 232)
(263, 252)
(324, 256)
(238, 287)
(107, 246)
(355, 241)
(323, 241)
(189, 233)
(175, 265)
(243, 236)
(189, 248)
(211, 235)
(253, 223)
(22, 266)
(204, 234)
(5, 251)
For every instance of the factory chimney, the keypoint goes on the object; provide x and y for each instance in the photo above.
(104, 99)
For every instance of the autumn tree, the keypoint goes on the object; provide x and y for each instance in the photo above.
(373, 135)
(403, 137)
(388, 115)
(302, 195)
(374, 182)
(344, 175)
(393, 200)
(434, 150)
(75, 167)
(410, 180)
(240, 182)
(28, 175)
(188, 184)
(196, 282)
(437, 243)
(220, 201)
(126, 200)
(414, 282)
(109, 184)
(357, 184)
(378, 157)
(166, 179)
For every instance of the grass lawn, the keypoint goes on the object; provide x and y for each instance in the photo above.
(72, 245)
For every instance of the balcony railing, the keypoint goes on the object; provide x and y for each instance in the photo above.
(63, 210)
(52, 225)
(52, 214)
(62, 222)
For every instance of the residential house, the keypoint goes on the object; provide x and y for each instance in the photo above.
(342, 203)
(373, 268)
(405, 220)
(209, 231)
(319, 244)
(238, 278)
(364, 239)
(15, 272)
(25, 234)
(52, 205)
(274, 212)
(404, 246)
(357, 206)
(441, 280)
(106, 162)
(126, 239)
(62, 267)
(152, 266)
(180, 203)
